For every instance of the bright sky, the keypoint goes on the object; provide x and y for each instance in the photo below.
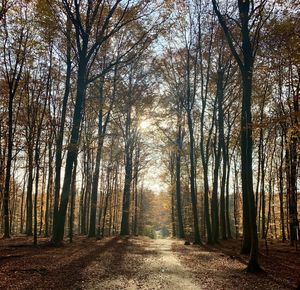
(152, 178)
(154, 169)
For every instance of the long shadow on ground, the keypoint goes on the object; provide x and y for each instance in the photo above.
(217, 269)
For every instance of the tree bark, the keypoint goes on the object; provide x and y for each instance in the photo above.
(246, 68)
(181, 234)
(58, 232)
(6, 193)
(60, 136)
(125, 229)
(192, 180)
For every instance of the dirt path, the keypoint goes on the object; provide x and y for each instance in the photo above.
(172, 273)
(140, 263)
(146, 264)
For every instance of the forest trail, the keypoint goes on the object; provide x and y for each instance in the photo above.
(141, 263)
(146, 264)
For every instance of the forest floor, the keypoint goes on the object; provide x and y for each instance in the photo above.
(142, 263)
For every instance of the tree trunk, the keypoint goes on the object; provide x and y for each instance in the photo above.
(58, 233)
(126, 192)
(214, 198)
(107, 196)
(60, 135)
(95, 180)
(205, 160)
(263, 195)
(37, 175)
(192, 180)
(6, 193)
(181, 234)
(22, 203)
(246, 159)
(29, 193)
(222, 145)
(246, 68)
(281, 190)
(72, 203)
(135, 192)
(49, 187)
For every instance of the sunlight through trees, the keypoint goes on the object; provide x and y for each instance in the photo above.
(158, 118)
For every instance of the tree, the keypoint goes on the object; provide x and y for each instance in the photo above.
(14, 55)
(102, 126)
(136, 94)
(245, 61)
(3, 8)
(91, 35)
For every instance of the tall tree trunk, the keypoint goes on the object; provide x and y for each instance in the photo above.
(58, 232)
(246, 158)
(81, 210)
(229, 162)
(214, 198)
(193, 180)
(128, 176)
(8, 167)
(60, 135)
(115, 200)
(22, 203)
(263, 195)
(181, 234)
(13, 69)
(293, 166)
(126, 195)
(37, 175)
(72, 203)
(49, 186)
(280, 177)
(222, 145)
(236, 200)
(44, 170)
(228, 222)
(205, 160)
(29, 193)
(101, 135)
(107, 195)
(135, 192)
(245, 63)
(95, 180)
(100, 209)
